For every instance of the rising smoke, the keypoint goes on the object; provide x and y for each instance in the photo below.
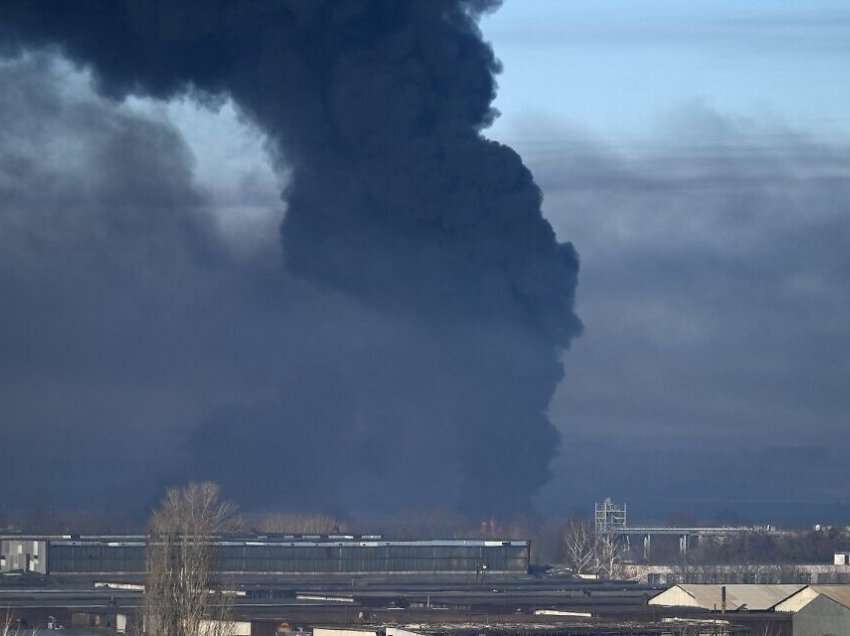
(439, 299)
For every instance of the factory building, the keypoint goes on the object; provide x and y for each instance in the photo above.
(726, 597)
(808, 610)
(286, 556)
(23, 555)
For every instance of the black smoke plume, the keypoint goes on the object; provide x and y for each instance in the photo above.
(446, 300)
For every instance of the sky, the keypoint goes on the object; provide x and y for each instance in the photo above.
(616, 69)
(696, 156)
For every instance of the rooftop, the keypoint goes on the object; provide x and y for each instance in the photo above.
(738, 596)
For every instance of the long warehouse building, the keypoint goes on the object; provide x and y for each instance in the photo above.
(263, 554)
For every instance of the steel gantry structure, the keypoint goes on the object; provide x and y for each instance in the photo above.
(610, 519)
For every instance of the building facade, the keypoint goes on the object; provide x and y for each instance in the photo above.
(291, 556)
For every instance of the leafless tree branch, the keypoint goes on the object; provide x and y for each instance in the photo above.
(181, 598)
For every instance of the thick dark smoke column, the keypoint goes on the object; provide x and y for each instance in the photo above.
(395, 200)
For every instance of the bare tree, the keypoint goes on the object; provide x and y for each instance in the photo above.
(608, 555)
(8, 624)
(771, 629)
(11, 626)
(578, 541)
(180, 596)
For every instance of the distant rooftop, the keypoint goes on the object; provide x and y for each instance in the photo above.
(269, 539)
(738, 596)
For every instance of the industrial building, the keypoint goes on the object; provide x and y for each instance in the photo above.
(838, 593)
(809, 610)
(731, 598)
(23, 555)
(272, 555)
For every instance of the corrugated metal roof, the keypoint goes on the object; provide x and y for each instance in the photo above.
(838, 593)
(738, 596)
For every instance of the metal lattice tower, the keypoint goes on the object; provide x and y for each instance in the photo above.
(609, 517)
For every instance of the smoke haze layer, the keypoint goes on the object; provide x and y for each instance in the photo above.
(408, 348)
